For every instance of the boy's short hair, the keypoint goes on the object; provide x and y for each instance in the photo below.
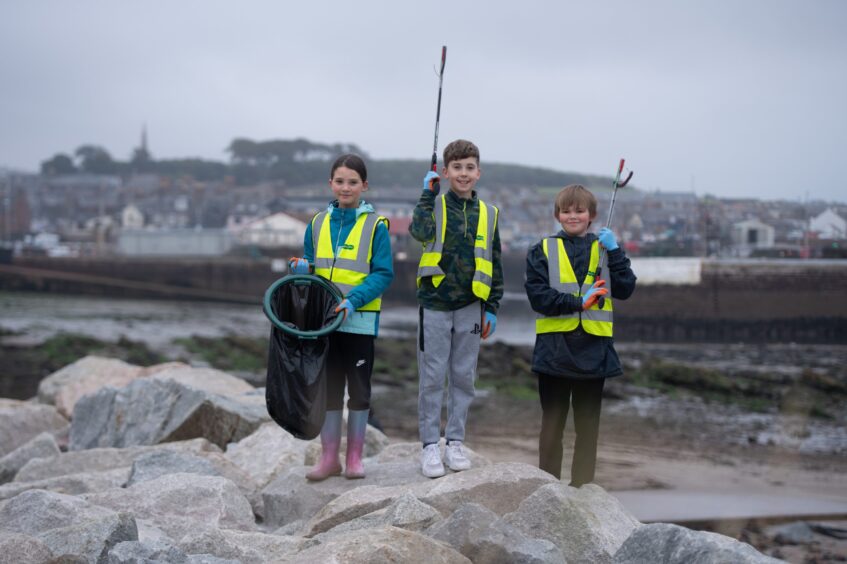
(460, 149)
(575, 195)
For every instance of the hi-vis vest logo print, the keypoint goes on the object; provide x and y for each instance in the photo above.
(347, 247)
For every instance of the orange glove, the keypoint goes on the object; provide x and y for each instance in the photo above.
(592, 295)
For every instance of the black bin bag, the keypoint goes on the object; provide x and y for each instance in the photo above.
(301, 309)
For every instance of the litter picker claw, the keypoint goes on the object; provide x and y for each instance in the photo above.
(602, 262)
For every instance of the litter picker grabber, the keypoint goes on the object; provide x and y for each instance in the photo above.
(602, 262)
(438, 110)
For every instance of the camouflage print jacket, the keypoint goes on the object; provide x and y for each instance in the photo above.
(457, 258)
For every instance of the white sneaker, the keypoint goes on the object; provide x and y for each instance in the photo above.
(431, 465)
(454, 456)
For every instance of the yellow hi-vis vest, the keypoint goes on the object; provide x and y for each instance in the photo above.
(595, 320)
(353, 263)
(484, 240)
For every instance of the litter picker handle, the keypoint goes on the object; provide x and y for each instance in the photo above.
(434, 165)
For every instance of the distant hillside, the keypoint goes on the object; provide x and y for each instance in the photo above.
(296, 162)
(391, 173)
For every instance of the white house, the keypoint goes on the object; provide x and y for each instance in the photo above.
(276, 230)
(829, 225)
(131, 217)
(752, 234)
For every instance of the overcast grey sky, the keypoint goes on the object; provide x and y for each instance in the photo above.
(744, 98)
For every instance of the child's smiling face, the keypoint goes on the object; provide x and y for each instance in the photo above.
(463, 175)
(575, 220)
(347, 187)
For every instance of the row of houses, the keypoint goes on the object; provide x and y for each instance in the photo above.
(152, 215)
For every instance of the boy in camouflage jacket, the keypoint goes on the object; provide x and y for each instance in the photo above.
(460, 283)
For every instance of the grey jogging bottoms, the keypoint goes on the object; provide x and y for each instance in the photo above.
(448, 346)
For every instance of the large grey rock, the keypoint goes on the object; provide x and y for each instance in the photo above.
(481, 535)
(136, 552)
(241, 546)
(65, 386)
(70, 484)
(16, 548)
(40, 446)
(150, 411)
(672, 544)
(21, 421)
(388, 544)
(206, 379)
(267, 453)
(405, 512)
(67, 525)
(463, 526)
(500, 487)
(586, 523)
(291, 497)
(180, 503)
(101, 459)
(160, 462)
(501, 542)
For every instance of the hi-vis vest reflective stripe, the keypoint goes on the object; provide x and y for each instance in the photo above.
(595, 321)
(483, 266)
(353, 263)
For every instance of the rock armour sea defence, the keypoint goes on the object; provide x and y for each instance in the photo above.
(186, 468)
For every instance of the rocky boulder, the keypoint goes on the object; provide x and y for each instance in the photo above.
(387, 544)
(67, 525)
(102, 459)
(585, 523)
(178, 504)
(664, 542)
(41, 446)
(150, 411)
(87, 375)
(21, 421)
(267, 453)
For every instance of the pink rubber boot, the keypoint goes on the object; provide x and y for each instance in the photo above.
(357, 423)
(328, 465)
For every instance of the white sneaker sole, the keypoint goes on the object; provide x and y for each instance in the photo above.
(433, 473)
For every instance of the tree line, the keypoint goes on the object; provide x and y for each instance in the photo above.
(297, 162)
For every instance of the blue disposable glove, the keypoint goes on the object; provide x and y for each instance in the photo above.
(607, 239)
(593, 294)
(489, 324)
(346, 307)
(298, 265)
(432, 182)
